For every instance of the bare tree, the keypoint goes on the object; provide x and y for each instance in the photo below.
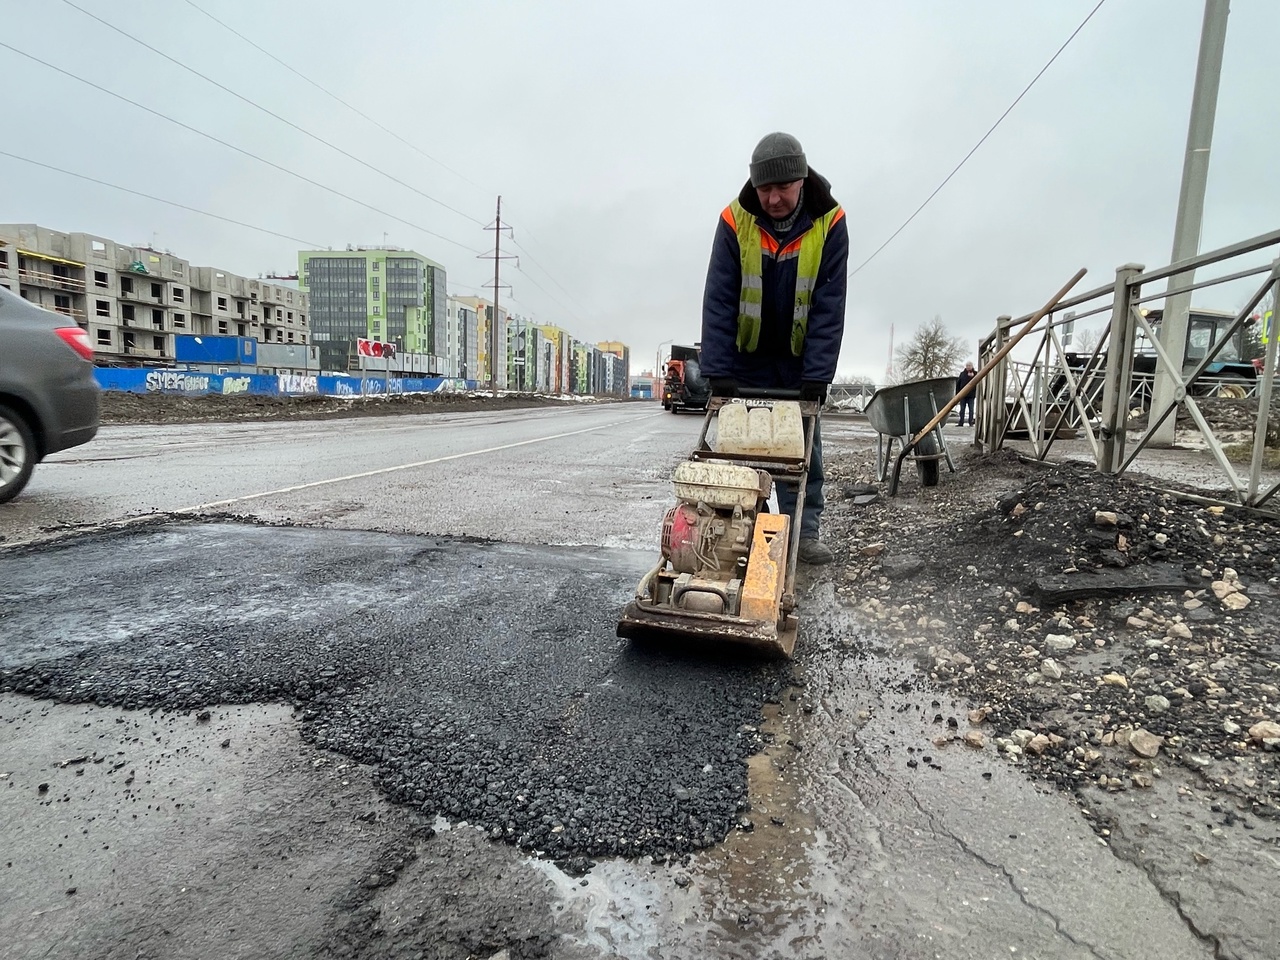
(1086, 341)
(931, 352)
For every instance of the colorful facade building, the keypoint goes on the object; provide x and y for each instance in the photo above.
(385, 294)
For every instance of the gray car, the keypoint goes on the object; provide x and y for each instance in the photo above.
(48, 395)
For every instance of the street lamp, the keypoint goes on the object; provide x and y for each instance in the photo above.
(657, 367)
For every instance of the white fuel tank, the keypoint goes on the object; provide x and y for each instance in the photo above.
(776, 430)
(720, 485)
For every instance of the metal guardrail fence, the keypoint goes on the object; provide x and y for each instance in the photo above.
(850, 396)
(1057, 391)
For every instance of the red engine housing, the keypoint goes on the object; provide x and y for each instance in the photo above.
(681, 531)
(698, 540)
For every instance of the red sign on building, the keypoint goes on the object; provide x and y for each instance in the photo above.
(375, 348)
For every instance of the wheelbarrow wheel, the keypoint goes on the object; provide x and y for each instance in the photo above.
(928, 469)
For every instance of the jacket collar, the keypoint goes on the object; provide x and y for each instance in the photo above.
(818, 200)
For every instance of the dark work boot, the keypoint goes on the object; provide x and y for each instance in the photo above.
(814, 552)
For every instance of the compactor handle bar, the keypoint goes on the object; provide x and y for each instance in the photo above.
(766, 393)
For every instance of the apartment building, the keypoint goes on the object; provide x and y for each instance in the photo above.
(556, 352)
(524, 351)
(616, 363)
(462, 352)
(270, 311)
(129, 299)
(483, 310)
(387, 294)
(134, 300)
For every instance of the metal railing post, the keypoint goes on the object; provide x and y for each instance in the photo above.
(982, 402)
(1263, 393)
(997, 411)
(1119, 369)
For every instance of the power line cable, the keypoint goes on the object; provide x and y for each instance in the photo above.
(271, 113)
(329, 93)
(172, 203)
(232, 146)
(301, 130)
(524, 250)
(387, 130)
(356, 110)
(548, 293)
(1008, 110)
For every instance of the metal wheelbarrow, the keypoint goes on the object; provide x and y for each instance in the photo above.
(900, 412)
(910, 412)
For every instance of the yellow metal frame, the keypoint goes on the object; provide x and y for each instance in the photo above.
(46, 257)
(766, 569)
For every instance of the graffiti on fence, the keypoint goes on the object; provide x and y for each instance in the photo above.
(191, 382)
(171, 381)
(291, 383)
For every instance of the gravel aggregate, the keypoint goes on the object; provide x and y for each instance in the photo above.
(1099, 691)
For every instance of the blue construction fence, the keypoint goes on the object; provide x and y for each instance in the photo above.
(194, 383)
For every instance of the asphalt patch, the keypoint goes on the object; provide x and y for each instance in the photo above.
(482, 681)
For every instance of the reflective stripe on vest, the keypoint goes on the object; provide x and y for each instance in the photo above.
(752, 241)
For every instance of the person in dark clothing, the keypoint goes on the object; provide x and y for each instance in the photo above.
(773, 308)
(966, 375)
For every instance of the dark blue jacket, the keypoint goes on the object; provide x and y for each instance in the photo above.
(772, 364)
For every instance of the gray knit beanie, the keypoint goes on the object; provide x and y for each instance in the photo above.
(778, 158)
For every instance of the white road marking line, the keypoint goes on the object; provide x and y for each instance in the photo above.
(216, 504)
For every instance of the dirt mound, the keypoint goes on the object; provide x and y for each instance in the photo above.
(1104, 625)
(1225, 416)
(118, 408)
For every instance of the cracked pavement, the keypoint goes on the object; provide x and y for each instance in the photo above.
(862, 838)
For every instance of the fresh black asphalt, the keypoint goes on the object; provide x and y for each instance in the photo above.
(482, 681)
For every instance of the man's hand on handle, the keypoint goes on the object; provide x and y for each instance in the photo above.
(813, 390)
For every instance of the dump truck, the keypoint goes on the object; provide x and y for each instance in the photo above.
(683, 385)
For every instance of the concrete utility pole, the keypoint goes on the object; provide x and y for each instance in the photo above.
(1186, 231)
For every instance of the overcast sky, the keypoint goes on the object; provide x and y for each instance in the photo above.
(617, 132)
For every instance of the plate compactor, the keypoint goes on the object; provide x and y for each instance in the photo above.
(728, 567)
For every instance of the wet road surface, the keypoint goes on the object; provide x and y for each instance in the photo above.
(598, 474)
(481, 687)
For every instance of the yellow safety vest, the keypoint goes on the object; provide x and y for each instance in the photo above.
(752, 242)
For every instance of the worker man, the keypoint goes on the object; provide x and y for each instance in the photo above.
(962, 380)
(773, 309)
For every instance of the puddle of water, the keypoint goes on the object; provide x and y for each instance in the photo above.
(891, 845)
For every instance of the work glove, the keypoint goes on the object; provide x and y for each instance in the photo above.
(813, 390)
(724, 387)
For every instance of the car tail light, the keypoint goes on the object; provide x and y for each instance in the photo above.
(78, 340)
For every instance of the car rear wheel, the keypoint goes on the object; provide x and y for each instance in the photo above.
(17, 454)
